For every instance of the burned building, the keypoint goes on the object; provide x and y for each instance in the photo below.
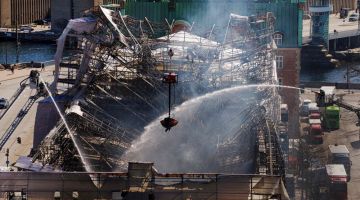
(117, 95)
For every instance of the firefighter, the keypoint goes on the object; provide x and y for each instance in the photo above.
(18, 139)
(41, 88)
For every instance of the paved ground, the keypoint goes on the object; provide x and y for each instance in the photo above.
(8, 85)
(343, 28)
(346, 135)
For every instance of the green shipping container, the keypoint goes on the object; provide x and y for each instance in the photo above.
(332, 117)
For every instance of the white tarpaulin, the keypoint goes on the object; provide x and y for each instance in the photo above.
(108, 14)
(79, 25)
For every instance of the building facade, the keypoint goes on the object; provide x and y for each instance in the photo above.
(320, 11)
(64, 10)
(19, 12)
(288, 33)
(336, 4)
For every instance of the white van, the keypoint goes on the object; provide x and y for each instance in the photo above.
(305, 107)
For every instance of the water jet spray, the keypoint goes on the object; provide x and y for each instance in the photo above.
(71, 133)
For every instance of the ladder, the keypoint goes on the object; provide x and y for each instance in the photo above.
(24, 110)
(349, 107)
(13, 98)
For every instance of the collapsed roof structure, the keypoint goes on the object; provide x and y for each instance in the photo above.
(115, 84)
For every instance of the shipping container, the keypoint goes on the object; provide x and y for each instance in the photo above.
(337, 181)
(305, 107)
(332, 117)
(315, 116)
(316, 133)
(313, 108)
(339, 154)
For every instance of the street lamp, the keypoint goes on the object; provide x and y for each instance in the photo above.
(347, 70)
(335, 40)
(7, 157)
(6, 52)
(17, 33)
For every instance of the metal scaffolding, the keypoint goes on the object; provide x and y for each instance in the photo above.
(120, 62)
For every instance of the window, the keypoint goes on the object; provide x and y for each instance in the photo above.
(280, 80)
(278, 38)
(279, 62)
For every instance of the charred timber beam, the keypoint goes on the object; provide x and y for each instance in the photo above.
(67, 81)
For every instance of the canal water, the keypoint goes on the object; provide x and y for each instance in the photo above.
(37, 52)
(41, 52)
(332, 75)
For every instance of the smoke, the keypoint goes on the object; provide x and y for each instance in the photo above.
(191, 146)
(206, 121)
(204, 15)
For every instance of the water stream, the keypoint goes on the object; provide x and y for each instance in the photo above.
(83, 160)
(191, 146)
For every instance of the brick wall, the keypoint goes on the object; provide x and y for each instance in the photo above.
(290, 76)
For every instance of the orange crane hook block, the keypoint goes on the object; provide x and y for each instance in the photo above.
(168, 122)
(170, 78)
